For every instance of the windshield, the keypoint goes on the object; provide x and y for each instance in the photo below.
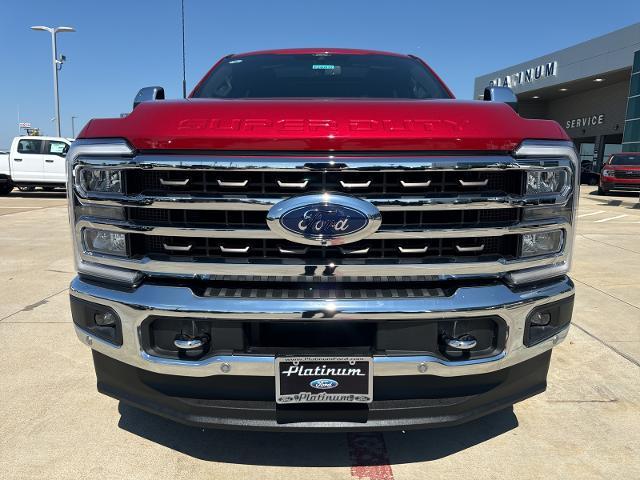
(321, 76)
(625, 160)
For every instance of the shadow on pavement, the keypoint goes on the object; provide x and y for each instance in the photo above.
(38, 194)
(312, 449)
(617, 193)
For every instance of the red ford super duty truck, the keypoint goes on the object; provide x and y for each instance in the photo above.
(321, 240)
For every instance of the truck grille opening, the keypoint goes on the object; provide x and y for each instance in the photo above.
(202, 214)
(626, 173)
(365, 251)
(364, 183)
(318, 336)
(246, 219)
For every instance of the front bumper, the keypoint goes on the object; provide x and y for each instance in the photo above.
(246, 402)
(614, 183)
(460, 389)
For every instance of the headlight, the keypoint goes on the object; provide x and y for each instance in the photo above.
(96, 180)
(546, 181)
(608, 173)
(544, 243)
(101, 241)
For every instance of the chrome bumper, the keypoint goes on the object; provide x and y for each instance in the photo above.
(133, 306)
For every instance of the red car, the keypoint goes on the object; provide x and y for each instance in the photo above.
(620, 172)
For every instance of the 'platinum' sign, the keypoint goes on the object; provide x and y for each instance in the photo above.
(530, 75)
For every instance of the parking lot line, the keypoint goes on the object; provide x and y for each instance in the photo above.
(591, 213)
(22, 208)
(610, 218)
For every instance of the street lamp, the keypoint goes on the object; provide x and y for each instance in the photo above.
(73, 126)
(56, 62)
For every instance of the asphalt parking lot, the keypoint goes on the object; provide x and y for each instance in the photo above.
(55, 425)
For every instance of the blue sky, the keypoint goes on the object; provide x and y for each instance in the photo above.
(121, 46)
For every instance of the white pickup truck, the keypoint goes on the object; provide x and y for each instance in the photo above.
(34, 162)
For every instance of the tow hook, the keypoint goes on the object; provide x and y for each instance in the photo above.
(186, 342)
(463, 342)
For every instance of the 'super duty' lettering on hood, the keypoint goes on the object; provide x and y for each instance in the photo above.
(323, 125)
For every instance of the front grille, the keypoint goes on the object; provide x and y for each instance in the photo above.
(288, 290)
(362, 252)
(248, 219)
(203, 215)
(364, 183)
(626, 173)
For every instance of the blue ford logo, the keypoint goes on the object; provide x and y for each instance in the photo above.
(324, 219)
(323, 383)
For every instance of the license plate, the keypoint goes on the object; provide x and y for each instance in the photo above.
(324, 380)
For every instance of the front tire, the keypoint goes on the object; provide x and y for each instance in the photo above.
(5, 188)
(602, 192)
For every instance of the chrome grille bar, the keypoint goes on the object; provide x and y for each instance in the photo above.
(124, 227)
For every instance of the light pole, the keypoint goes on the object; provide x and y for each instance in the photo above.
(54, 50)
(73, 126)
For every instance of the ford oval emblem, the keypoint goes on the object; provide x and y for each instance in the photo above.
(323, 383)
(324, 219)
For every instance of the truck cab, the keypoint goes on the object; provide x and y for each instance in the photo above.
(34, 161)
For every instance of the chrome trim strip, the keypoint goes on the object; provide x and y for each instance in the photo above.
(293, 251)
(300, 185)
(285, 163)
(122, 276)
(292, 267)
(351, 185)
(346, 251)
(177, 248)
(413, 250)
(415, 184)
(477, 248)
(536, 274)
(133, 306)
(174, 183)
(224, 249)
(179, 202)
(241, 184)
(129, 227)
(480, 183)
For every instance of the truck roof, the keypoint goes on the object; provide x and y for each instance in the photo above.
(311, 51)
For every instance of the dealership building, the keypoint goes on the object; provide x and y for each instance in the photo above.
(592, 89)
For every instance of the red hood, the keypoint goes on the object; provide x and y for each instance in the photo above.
(324, 125)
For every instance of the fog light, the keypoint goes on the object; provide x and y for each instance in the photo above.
(97, 320)
(543, 243)
(102, 241)
(540, 318)
(105, 319)
(547, 181)
(547, 320)
(104, 181)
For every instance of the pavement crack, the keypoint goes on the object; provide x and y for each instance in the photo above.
(28, 308)
(33, 306)
(607, 293)
(605, 243)
(610, 347)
